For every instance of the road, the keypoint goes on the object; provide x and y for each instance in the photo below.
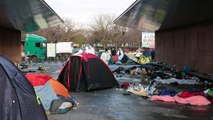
(111, 104)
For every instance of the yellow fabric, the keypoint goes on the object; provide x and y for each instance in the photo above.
(144, 60)
(141, 92)
(38, 99)
(143, 72)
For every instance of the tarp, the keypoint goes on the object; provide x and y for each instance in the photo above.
(194, 100)
(179, 81)
(124, 66)
(165, 98)
(168, 92)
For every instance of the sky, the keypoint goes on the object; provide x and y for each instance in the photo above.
(84, 11)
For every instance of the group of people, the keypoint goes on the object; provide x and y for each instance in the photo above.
(142, 55)
(106, 55)
(112, 56)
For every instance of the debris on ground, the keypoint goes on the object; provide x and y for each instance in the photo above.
(167, 84)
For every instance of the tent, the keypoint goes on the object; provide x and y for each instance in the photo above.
(42, 79)
(17, 97)
(86, 72)
(51, 92)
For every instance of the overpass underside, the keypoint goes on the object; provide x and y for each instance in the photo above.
(22, 15)
(184, 30)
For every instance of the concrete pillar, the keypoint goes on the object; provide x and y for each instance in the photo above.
(10, 44)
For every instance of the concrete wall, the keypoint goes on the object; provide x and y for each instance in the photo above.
(10, 44)
(190, 46)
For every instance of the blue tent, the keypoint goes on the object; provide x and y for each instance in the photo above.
(18, 100)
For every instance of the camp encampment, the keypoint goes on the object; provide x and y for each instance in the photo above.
(17, 97)
(86, 72)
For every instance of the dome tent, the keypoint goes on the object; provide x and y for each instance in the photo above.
(53, 95)
(86, 72)
(17, 97)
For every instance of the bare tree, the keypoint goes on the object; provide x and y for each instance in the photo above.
(102, 28)
(106, 32)
(103, 31)
(132, 37)
(62, 32)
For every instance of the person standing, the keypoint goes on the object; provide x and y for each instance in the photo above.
(114, 55)
(105, 56)
(113, 51)
(120, 54)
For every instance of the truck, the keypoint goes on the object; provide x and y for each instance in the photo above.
(37, 48)
(59, 50)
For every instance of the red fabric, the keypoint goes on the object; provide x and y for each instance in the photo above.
(115, 58)
(86, 56)
(79, 76)
(187, 94)
(125, 84)
(38, 79)
(194, 100)
(149, 49)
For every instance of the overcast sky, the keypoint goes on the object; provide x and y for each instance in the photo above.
(83, 11)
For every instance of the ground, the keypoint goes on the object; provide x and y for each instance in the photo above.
(111, 104)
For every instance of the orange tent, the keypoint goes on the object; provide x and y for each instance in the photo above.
(59, 88)
(41, 79)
